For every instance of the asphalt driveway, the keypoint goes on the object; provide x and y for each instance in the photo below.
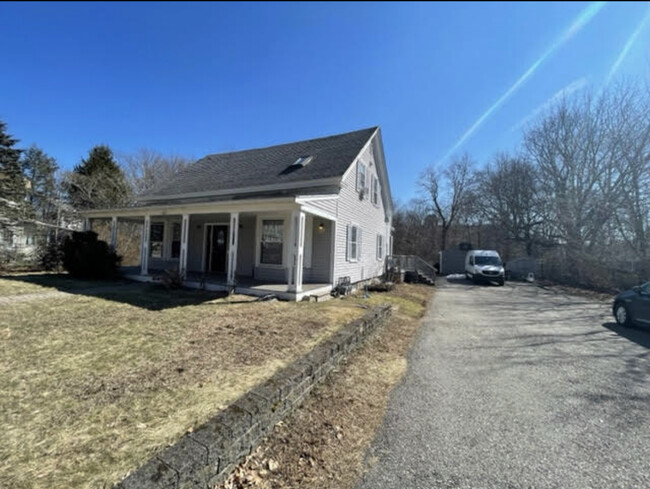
(518, 387)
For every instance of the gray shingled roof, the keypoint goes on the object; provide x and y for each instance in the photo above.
(332, 156)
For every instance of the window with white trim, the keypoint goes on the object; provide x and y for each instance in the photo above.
(380, 247)
(354, 243)
(374, 196)
(272, 242)
(361, 177)
(157, 232)
(176, 240)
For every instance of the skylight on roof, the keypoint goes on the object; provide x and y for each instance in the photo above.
(302, 161)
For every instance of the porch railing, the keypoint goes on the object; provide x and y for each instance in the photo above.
(411, 263)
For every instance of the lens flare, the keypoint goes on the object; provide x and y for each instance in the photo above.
(582, 20)
(626, 48)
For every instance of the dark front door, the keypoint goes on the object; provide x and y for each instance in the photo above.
(217, 244)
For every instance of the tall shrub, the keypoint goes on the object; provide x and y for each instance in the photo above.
(84, 256)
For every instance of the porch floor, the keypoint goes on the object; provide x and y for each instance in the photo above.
(245, 285)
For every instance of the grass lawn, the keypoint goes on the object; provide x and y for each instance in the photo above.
(35, 283)
(92, 386)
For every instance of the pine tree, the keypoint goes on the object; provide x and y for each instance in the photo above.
(39, 169)
(12, 183)
(97, 182)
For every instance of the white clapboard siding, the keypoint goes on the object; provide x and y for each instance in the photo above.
(327, 205)
(371, 220)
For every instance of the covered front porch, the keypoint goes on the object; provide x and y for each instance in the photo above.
(282, 249)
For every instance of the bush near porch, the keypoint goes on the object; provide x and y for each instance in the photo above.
(94, 385)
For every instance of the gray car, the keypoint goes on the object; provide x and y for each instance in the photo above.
(633, 306)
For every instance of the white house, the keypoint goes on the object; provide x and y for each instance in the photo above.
(291, 219)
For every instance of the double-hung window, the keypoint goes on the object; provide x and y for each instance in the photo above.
(272, 242)
(176, 240)
(361, 177)
(354, 243)
(374, 194)
(156, 239)
(380, 247)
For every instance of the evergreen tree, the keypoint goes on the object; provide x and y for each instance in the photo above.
(97, 182)
(39, 169)
(12, 183)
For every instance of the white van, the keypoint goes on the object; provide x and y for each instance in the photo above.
(484, 265)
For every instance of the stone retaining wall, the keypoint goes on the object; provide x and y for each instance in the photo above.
(207, 455)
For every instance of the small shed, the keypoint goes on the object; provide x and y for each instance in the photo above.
(452, 261)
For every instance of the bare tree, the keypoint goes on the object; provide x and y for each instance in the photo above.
(147, 169)
(590, 154)
(415, 230)
(511, 199)
(447, 192)
(633, 214)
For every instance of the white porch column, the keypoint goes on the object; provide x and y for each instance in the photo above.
(297, 250)
(144, 247)
(232, 247)
(185, 234)
(113, 243)
(85, 225)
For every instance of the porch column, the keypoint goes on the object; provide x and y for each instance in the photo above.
(185, 234)
(232, 247)
(297, 250)
(85, 225)
(144, 248)
(113, 243)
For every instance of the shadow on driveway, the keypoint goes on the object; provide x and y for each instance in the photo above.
(462, 280)
(635, 334)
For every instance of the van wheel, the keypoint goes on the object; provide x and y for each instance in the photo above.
(467, 276)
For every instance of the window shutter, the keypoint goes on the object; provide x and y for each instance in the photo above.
(359, 244)
(347, 242)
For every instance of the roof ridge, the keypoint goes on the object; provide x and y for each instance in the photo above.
(322, 138)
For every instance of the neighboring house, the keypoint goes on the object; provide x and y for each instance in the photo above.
(291, 219)
(18, 243)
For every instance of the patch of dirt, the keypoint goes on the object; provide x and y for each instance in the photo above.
(323, 444)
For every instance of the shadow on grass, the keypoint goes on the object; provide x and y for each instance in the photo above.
(634, 333)
(154, 297)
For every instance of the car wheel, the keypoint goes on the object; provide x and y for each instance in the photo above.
(501, 282)
(622, 315)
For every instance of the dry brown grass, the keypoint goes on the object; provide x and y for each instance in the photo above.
(323, 444)
(93, 386)
(35, 283)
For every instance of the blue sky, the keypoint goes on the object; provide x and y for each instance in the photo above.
(199, 78)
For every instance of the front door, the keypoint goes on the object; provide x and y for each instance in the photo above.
(216, 248)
